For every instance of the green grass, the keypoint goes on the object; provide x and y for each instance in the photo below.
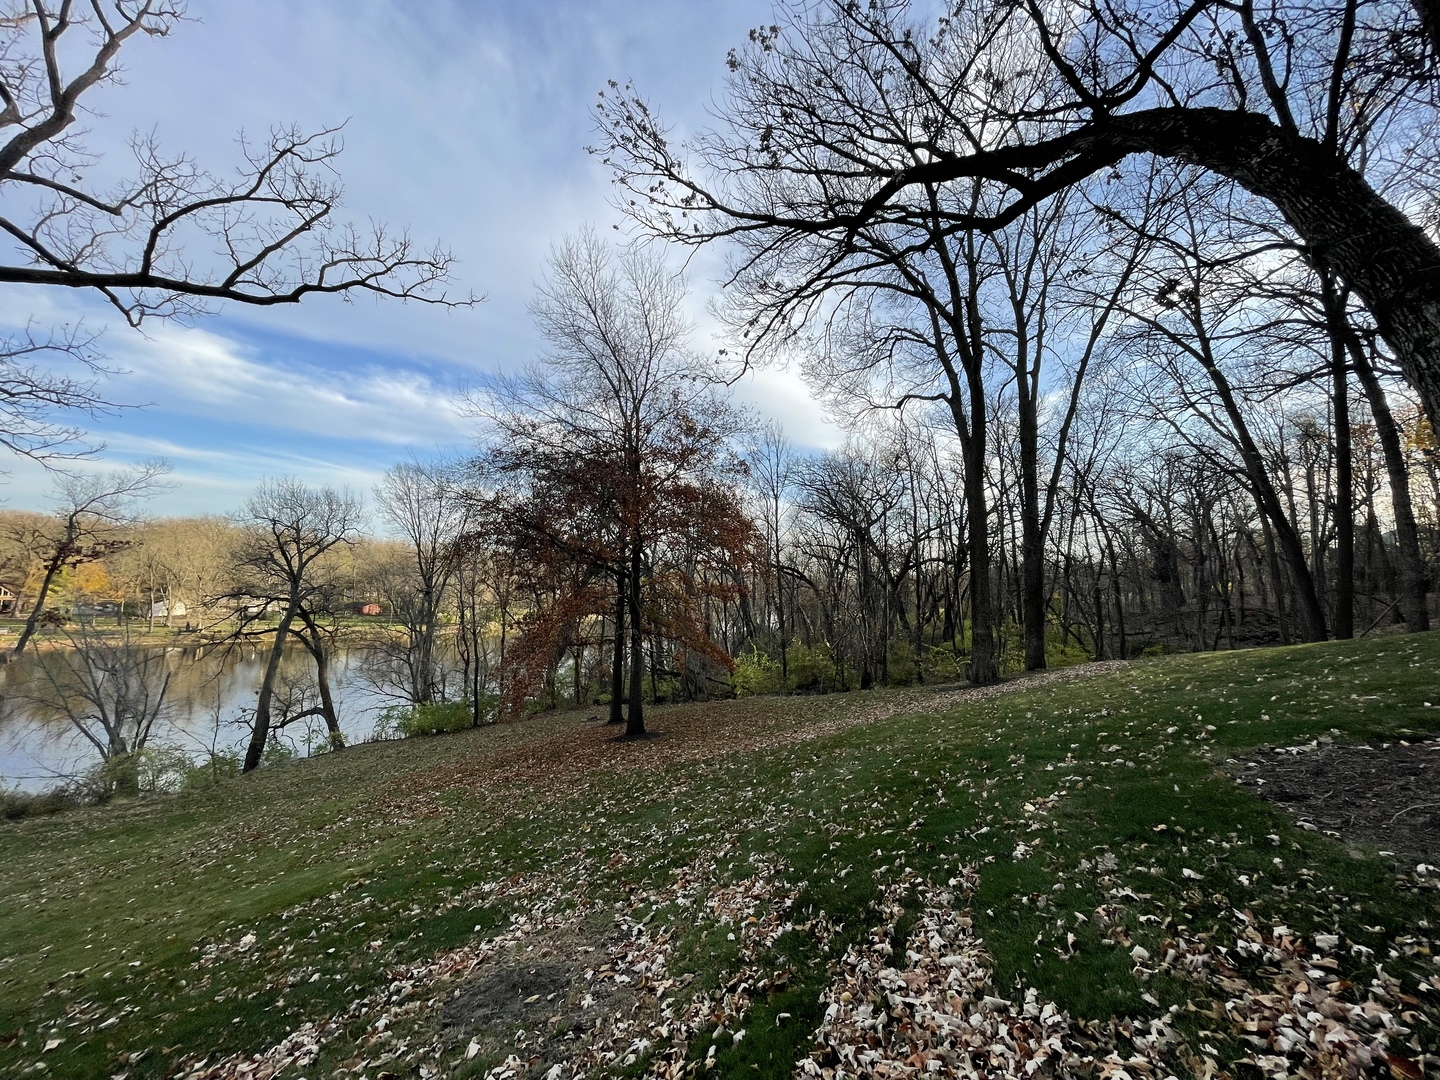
(346, 866)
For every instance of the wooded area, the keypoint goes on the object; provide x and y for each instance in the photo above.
(1115, 304)
(1128, 315)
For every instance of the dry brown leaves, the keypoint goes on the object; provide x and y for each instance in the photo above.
(935, 1011)
(1304, 1025)
(687, 734)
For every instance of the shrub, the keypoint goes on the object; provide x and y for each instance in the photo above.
(811, 670)
(942, 665)
(150, 771)
(209, 772)
(278, 750)
(756, 673)
(16, 804)
(408, 721)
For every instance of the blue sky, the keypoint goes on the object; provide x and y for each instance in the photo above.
(466, 121)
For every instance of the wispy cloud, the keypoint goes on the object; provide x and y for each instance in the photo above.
(201, 373)
(466, 121)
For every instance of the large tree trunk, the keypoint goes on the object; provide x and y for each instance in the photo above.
(1344, 622)
(316, 646)
(635, 714)
(617, 666)
(1032, 539)
(261, 729)
(327, 702)
(971, 428)
(1387, 260)
(984, 663)
(780, 606)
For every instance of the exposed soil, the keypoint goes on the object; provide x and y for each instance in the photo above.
(1387, 796)
(513, 993)
(547, 998)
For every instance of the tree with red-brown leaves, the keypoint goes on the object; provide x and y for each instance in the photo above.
(609, 476)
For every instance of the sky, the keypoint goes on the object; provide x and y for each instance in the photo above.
(466, 121)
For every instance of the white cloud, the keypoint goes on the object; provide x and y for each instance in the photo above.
(780, 394)
(202, 373)
(466, 121)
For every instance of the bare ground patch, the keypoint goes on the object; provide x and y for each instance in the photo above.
(1387, 796)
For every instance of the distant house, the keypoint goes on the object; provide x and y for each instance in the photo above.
(163, 610)
(368, 608)
(8, 599)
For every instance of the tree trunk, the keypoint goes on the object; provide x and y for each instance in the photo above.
(1335, 319)
(617, 667)
(322, 679)
(477, 685)
(579, 667)
(1414, 574)
(984, 664)
(1268, 502)
(635, 714)
(261, 730)
(1032, 541)
(57, 560)
(780, 604)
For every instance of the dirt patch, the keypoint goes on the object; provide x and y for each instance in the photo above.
(517, 993)
(545, 1000)
(1388, 796)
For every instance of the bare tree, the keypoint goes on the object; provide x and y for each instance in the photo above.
(772, 473)
(172, 239)
(288, 530)
(420, 502)
(608, 436)
(108, 689)
(1277, 97)
(89, 524)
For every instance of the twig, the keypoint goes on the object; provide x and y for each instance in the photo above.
(1377, 622)
(1417, 806)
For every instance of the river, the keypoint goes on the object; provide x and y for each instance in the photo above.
(210, 691)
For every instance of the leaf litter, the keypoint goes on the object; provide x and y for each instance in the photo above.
(1295, 1002)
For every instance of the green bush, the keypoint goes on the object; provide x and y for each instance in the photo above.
(942, 665)
(756, 673)
(151, 771)
(277, 751)
(208, 773)
(408, 721)
(811, 670)
(15, 804)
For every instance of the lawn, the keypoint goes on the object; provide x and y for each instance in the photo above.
(754, 888)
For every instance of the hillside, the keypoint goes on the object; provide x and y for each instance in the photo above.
(906, 882)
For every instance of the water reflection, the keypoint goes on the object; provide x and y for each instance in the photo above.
(211, 690)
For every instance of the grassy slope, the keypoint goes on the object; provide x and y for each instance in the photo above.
(344, 867)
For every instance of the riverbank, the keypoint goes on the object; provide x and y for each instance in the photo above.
(1062, 868)
(358, 631)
